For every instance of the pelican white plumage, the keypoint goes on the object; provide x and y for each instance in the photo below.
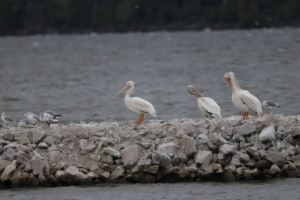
(243, 100)
(137, 104)
(207, 105)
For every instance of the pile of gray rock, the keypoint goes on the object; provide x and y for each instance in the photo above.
(228, 149)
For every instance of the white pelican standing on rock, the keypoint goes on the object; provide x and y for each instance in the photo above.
(242, 99)
(137, 104)
(207, 105)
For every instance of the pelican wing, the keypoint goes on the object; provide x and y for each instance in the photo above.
(251, 102)
(210, 106)
(143, 106)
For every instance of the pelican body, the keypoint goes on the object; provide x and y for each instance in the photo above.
(243, 100)
(137, 104)
(207, 105)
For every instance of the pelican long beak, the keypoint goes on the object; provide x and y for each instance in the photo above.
(124, 88)
(193, 91)
(228, 80)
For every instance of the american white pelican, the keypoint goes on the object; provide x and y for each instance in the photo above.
(269, 105)
(242, 99)
(6, 119)
(207, 105)
(137, 104)
(31, 116)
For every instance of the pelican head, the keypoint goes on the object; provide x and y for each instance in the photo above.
(193, 91)
(128, 85)
(3, 113)
(228, 77)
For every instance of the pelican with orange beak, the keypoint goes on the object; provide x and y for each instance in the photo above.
(243, 100)
(207, 105)
(137, 104)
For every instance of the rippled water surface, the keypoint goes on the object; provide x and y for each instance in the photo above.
(281, 189)
(79, 75)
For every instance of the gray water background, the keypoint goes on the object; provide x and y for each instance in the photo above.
(278, 189)
(79, 75)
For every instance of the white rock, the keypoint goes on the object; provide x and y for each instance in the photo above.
(267, 134)
(203, 157)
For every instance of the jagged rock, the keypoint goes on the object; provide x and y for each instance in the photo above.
(203, 157)
(167, 148)
(83, 179)
(165, 160)
(135, 170)
(58, 136)
(61, 176)
(238, 138)
(25, 148)
(267, 134)
(52, 148)
(49, 140)
(189, 145)
(43, 145)
(108, 168)
(144, 163)
(276, 158)
(33, 135)
(37, 166)
(231, 167)
(244, 158)
(23, 157)
(130, 156)
(11, 145)
(145, 144)
(8, 154)
(274, 169)
(4, 164)
(263, 164)
(88, 149)
(262, 154)
(227, 176)
(22, 139)
(217, 139)
(118, 172)
(252, 149)
(235, 160)
(111, 151)
(152, 169)
(227, 149)
(71, 172)
(9, 171)
(8, 136)
(266, 119)
(52, 179)
(256, 156)
(182, 158)
(207, 169)
(107, 159)
(295, 132)
(156, 157)
(244, 130)
(43, 180)
(56, 156)
(83, 143)
(83, 135)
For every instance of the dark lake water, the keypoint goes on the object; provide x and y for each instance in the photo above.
(79, 75)
(279, 189)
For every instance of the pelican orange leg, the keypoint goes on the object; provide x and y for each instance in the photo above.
(140, 119)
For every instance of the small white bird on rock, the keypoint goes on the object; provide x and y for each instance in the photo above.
(270, 105)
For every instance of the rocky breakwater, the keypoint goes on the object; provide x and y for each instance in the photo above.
(229, 149)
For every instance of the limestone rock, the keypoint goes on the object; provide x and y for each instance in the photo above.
(4, 164)
(244, 130)
(9, 171)
(152, 169)
(25, 148)
(217, 139)
(203, 157)
(235, 160)
(49, 140)
(165, 161)
(43, 145)
(227, 149)
(227, 176)
(263, 164)
(8, 136)
(8, 154)
(189, 145)
(111, 151)
(144, 163)
(130, 156)
(56, 156)
(266, 119)
(37, 166)
(88, 149)
(118, 172)
(107, 159)
(207, 169)
(168, 148)
(23, 139)
(274, 169)
(276, 158)
(267, 134)
(61, 176)
(252, 149)
(83, 143)
(71, 171)
(244, 158)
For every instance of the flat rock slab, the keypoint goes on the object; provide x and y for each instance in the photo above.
(244, 130)
(276, 158)
(130, 156)
(189, 145)
(111, 151)
(168, 148)
(267, 134)
(203, 157)
(217, 139)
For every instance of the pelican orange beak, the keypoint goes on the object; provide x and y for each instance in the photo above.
(124, 88)
(229, 81)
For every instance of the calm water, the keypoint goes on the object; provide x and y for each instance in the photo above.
(79, 75)
(281, 189)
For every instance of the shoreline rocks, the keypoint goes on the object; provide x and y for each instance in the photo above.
(156, 151)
